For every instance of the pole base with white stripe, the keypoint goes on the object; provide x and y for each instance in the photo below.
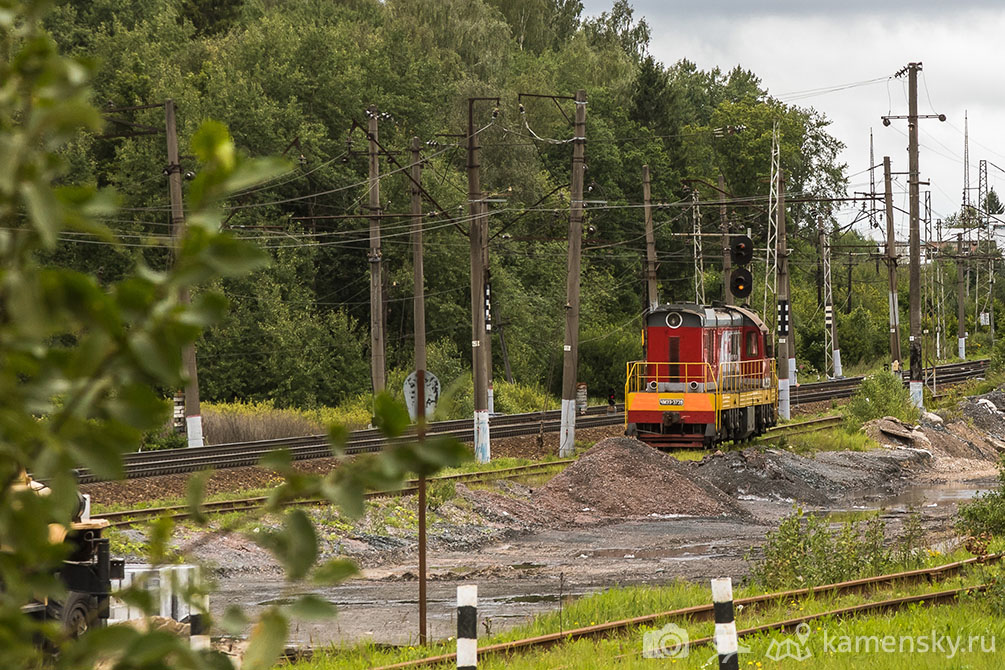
(962, 347)
(917, 394)
(726, 643)
(836, 355)
(193, 426)
(467, 627)
(567, 437)
(792, 372)
(783, 398)
(482, 449)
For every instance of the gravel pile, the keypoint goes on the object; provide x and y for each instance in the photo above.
(776, 475)
(986, 412)
(624, 478)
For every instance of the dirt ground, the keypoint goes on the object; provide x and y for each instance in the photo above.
(622, 514)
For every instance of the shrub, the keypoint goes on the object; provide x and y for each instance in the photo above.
(804, 551)
(244, 422)
(986, 512)
(517, 398)
(881, 394)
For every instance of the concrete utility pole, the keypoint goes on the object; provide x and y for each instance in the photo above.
(784, 313)
(891, 264)
(567, 440)
(487, 342)
(193, 414)
(917, 368)
(830, 322)
(727, 261)
(961, 304)
(651, 289)
(479, 366)
(914, 181)
(377, 372)
(419, 332)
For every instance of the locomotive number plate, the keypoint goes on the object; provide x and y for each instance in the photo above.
(672, 401)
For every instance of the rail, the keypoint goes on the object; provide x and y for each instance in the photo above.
(704, 612)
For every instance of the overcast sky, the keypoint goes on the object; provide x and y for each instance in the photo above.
(798, 45)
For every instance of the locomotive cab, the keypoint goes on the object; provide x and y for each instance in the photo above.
(708, 377)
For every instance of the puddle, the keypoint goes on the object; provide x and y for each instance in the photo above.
(687, 552)
(920, 496)
(530, 598)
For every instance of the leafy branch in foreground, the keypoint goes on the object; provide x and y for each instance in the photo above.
(81, 362)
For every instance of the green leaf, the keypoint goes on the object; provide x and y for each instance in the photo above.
(278, 460)
(390, 416)
(311, 608)
(195, 491)
(334, 572)
(212, 143)
(267, 641)
(338, 435)
(234, 621)
(43, 209)
(153, 357)
(295, 545)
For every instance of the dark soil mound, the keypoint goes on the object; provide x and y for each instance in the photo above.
(624, 478)
(818, 480)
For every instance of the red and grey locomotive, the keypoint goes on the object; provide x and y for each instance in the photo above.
(708, 377)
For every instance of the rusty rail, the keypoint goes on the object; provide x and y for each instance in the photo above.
(706, 611)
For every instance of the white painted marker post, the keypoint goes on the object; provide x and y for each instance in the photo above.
(726, 644)
(467, 627)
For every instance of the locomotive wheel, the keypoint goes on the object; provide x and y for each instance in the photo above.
(77, 614)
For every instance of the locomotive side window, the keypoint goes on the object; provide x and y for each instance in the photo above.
(751, 344)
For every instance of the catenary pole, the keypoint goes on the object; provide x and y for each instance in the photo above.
(917, 379)
(193, 414)
(419, 332)
(477, 238)
(961, 304)
(727, 261)
(377, 372)
(651, 287)
(784, 313)
(891, 264)
(567, 439)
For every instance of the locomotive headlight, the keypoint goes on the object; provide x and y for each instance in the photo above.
(674, 320)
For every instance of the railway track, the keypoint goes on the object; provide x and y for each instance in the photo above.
(950, 373)
(135, 516)
(706, 612)
(240, 454)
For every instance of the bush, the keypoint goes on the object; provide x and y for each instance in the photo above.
(245, 422)
(517, 398)
(805, 552)
(986, 512)
(165, 439)
(881, 394)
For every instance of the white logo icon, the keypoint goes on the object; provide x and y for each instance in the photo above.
(789, 648)
(670, 641)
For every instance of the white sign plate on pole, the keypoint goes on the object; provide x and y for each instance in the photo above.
(411, 389)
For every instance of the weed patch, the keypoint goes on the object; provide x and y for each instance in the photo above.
(881, 394)
(805, 551)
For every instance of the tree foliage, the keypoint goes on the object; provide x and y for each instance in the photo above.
(296, 75)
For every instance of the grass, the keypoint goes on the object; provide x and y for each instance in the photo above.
(975, 615)
(834, 439)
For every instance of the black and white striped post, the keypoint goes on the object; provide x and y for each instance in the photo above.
(726, 644)
(467, 627)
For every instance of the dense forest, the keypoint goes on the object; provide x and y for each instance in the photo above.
(295, 78)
